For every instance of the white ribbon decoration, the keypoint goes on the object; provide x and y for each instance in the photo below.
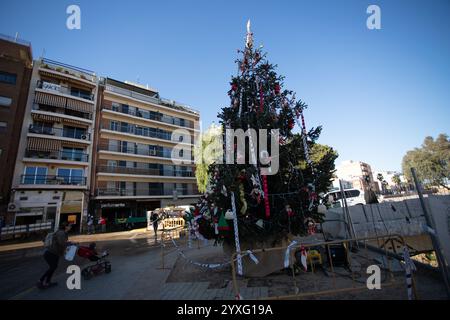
(409, 268)
(236, 236)
(287, 254)
(252, 256)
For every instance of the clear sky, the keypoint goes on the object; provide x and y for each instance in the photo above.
(377, 93)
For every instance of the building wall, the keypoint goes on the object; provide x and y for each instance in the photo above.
(15, 59)
(355, 172)
(134, 171)
(59, 117)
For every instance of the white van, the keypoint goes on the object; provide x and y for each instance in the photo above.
(353, 197)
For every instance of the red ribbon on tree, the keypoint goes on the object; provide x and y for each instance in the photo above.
(266, 196)
(261, 99)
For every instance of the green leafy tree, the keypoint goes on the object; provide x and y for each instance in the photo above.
(206, 151)
(431, 161)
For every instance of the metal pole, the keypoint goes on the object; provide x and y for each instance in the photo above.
(434, 239)
(348, 219)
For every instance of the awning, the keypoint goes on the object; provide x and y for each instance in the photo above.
(55, 75)
(79, 106)
(50, 99)
(41, 144)
(73, 144)
(75, 122)
(45, 118)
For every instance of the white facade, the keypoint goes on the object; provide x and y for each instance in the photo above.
(355, 172)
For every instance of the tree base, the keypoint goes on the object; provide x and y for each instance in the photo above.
(268, 261)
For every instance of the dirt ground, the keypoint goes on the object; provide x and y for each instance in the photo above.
(282, 283)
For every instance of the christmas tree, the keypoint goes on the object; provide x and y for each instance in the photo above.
(267, 206)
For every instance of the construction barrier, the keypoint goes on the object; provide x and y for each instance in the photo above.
(306, 259)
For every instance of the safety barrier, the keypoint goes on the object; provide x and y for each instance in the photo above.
(361, 248)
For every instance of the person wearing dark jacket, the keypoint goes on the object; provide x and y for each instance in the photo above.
(53, 253)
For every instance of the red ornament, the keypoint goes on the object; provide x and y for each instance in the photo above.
(291, 123)
(277, 88)
(266, 196)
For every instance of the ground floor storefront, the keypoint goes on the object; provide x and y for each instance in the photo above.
(43, 207)
(123, 214)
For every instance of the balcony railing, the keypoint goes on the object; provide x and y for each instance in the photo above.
(57, 155)
(72, 70)
(53, 180)
(142, 192)
(161, 101)
(143, 171)
(145, 114)
(144, 132)
(59, 132)
(138, 151)
(55, 87)
(66, 111)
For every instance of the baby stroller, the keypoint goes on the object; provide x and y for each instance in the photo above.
(100, 265)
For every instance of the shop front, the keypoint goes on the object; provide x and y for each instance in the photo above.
(125, 214)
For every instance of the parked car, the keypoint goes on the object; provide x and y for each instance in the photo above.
(354, 197)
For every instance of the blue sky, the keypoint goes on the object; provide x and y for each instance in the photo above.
(377, 93)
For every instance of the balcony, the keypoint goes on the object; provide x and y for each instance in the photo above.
(77, 72)
(63, 90)
(119, 192)
(138, 151)
(142, 132)
(142, 171)
(60, 132)
(31, 179)
(155, 100)
(57, 155)
(63, 111)
(155, 116)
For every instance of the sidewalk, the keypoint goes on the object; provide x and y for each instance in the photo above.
(82, 238)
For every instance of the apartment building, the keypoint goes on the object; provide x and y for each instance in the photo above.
(51, 177)
(358, 173)
(15, 74)
(139, 135)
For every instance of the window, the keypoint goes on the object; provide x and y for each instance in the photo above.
(352, 194)
(5, 101)
(115, 106)
(124, 127)
(71, 176)
(35, 175)
(3, 126)
(74, 154)
(114, 126)
(80, 93)
(74, 132)
(8, 78)
(112, 163)
(113, 145)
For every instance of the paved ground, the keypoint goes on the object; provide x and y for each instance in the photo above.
(22, 265)
(137, 271)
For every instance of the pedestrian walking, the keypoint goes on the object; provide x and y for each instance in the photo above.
(90, 224)
(55, 244)
(102, 223)
(155, 222)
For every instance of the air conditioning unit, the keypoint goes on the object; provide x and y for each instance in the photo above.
(12, 207)
(83, 137)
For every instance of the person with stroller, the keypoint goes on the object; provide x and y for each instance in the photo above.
(56, 249)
